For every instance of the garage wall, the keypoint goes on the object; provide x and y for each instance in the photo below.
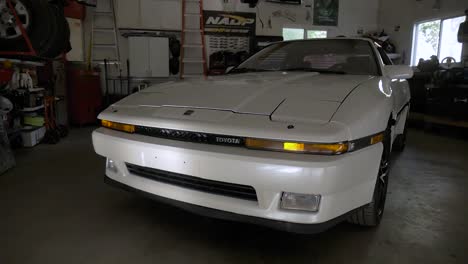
(353, 15)
(166, 15)
(405, 13)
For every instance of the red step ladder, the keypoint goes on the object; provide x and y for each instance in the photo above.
(193, 52)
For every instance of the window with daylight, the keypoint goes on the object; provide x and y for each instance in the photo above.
(437, 37)
(293, 33)
(314, 34)
(299, 33)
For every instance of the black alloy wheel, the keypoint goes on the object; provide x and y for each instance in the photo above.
(371, 214)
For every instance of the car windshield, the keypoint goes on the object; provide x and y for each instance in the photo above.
(334, 56)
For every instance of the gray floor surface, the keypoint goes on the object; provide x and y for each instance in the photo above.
(55, 208)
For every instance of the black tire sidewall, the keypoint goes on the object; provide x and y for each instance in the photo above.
(56, 42)
(400, 142)
(386, 154)
(174, 65)
(174, 46)
(44, 29)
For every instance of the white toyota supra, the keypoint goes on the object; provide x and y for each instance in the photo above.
(297, 138)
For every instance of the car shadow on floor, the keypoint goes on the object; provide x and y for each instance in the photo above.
(268, 244)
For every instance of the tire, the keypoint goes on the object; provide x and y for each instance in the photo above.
(400, 141)
(371, 214)
(63, 131)
(42, 37)
(58, 41)
(38, 24)
(174, 65)
(174, 46)
(52, 137)
(65, 40)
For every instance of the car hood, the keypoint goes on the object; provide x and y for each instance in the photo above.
(302, 96)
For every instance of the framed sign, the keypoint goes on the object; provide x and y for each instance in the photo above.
(229, 23)
(326, 12)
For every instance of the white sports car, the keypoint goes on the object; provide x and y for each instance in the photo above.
(297, 138)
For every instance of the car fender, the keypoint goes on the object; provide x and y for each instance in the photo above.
(367, 109)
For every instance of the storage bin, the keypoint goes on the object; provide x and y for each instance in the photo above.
(32, 135)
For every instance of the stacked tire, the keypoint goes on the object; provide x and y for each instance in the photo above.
(44, 23)
(174, 63)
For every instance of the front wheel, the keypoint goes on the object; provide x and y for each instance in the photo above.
(400, 141)
(371, 214)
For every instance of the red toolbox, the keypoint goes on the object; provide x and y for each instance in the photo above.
(84, 96)
(75, 10)
(5, 75)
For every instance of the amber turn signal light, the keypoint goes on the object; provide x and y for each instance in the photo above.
(118, 126)
(298, 147)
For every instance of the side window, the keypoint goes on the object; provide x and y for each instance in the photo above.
(385, 58)
(437, 37)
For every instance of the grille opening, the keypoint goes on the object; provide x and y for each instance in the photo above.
(215, 187)
(197, 137)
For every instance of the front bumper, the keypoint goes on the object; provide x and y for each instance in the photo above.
(345, 182)
(219, 214)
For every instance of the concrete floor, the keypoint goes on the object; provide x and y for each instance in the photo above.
(55, 208)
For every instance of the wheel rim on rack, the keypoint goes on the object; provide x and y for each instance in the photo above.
(8, 27)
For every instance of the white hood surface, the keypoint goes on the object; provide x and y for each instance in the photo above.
(293, 96)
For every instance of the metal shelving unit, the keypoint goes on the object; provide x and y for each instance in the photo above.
(32, 109)
(25, 61)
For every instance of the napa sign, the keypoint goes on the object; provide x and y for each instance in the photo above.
(229, 23)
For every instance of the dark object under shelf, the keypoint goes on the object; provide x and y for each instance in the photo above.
(418, 91)
(448, 94)
(7, 159)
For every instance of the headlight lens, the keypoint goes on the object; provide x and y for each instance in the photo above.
(298, 147)
(302, 202)
(118, 126)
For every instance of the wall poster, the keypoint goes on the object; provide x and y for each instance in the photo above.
(326, 12)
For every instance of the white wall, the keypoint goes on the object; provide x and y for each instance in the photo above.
(146, 14)
(405, 13)
(353, 15)
(367, 15)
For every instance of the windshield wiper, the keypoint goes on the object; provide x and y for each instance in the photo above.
(325, 71)
(244, 70)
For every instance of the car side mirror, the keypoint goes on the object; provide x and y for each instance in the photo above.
(398, 71)
(228, 69)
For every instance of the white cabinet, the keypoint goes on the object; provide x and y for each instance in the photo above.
(149, 56)
(159, 57)
(138, 56)
(149, 14)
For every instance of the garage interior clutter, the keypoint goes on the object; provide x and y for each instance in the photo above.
(233, 131)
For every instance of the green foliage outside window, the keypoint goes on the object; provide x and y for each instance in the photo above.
(431, 31)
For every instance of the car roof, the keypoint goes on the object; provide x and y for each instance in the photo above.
(334, 38)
